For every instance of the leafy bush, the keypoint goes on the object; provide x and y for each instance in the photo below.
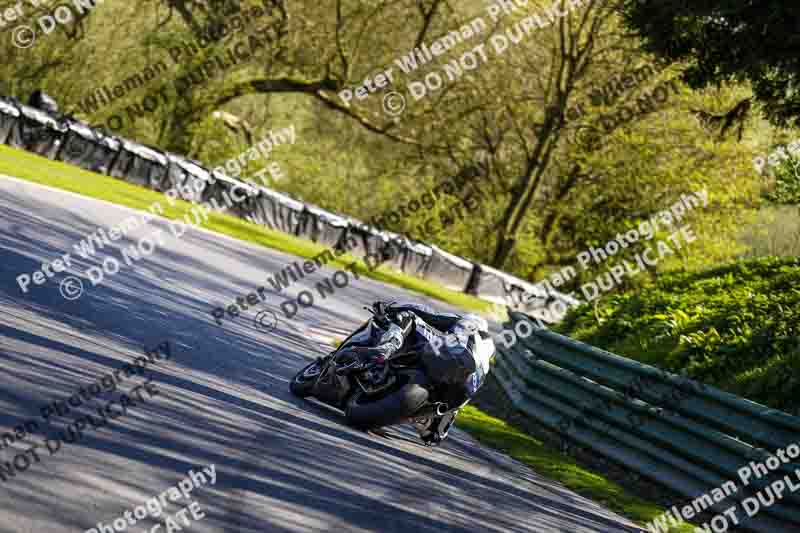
(787, 182)
(736, 327)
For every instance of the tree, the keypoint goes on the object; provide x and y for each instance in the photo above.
(731, 41)
(504, 106)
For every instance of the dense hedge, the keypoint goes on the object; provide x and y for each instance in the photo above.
(736, 327)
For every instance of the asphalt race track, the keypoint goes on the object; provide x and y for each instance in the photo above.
(282, 464)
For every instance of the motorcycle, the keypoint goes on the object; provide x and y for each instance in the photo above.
(381, 391)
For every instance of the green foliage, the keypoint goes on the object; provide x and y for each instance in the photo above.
(358, 161)
(787, 182)
(736, 327)
(642, 167)
(736, 40)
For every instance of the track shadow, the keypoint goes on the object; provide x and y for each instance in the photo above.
(284, 464)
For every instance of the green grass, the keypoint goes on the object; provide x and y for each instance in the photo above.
(735, 327)
(523, 447)
(36, 169)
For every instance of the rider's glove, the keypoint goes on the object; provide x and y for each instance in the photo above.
(380, 314)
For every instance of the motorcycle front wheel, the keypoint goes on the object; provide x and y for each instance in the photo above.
(303, 381)
(366, 412)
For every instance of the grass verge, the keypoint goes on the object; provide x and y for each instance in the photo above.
(37, 169)
(496, 433)
(735, 326)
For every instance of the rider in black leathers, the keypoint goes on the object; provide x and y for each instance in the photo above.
(446, 344)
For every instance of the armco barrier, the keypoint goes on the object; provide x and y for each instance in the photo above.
(88, 149)
(682, 434)
(69, 140)
(499, 287)
(9, 117)
(449, 270)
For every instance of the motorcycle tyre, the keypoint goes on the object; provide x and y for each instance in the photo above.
(302, 387)
(390, 409)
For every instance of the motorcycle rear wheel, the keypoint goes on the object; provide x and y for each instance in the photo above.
(364, 412)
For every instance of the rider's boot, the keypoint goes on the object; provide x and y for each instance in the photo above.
(437, 428)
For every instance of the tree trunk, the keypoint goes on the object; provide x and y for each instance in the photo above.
(502, 251)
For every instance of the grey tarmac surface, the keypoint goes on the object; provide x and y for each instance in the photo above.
(283, 464)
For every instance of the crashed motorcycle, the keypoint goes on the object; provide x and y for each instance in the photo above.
(382, 391)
